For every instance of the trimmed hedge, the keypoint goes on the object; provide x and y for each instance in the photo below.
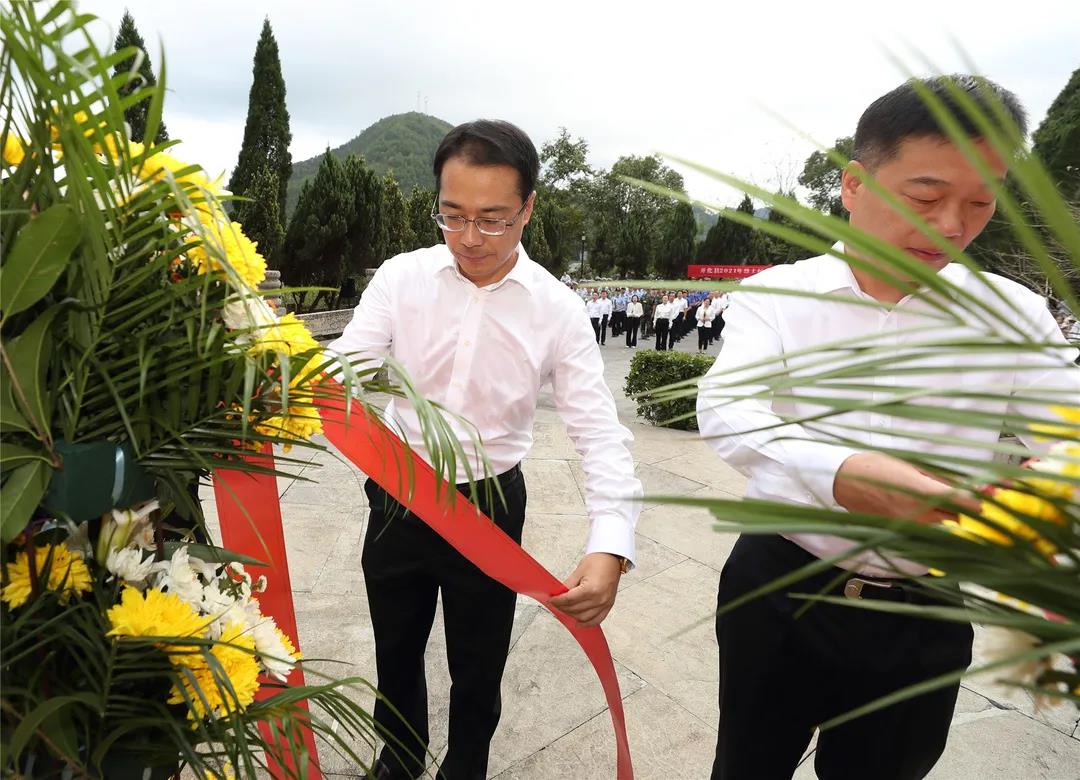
(651, 369)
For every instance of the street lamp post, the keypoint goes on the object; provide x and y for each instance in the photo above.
(582, 264)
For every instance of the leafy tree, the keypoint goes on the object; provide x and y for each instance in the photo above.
(266, 134)
(367, 231)
(535, 242)
(261, 216)
(135, 115)
(317, 241)
(775, 250)
(564, 161)
(422, 228)
(626, 221)
(1057, 141)
(821, 175)
(677, 242)
(395, 219)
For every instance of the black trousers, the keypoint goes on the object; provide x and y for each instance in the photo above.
(782, 675)
(631, 331)
(603, 329)
(661, 333)
(596, 327)
(618, 322)
(717, 328)
(406, 565)
(675, 331)
(703, 334)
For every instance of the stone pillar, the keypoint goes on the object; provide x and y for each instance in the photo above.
(273, 282)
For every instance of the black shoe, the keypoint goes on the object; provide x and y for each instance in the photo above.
(379, 771)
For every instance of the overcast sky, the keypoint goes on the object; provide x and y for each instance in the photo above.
(694, 79)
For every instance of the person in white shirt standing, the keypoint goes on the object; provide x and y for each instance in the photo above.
(704, 325)
(661, 322)
(605, 315)
(783, 671)
(718, 303)
(633, 317)
(594, 310)
(479, 328)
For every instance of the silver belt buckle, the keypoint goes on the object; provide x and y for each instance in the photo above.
(853, 588)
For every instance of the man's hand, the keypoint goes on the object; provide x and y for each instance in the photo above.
(878, 484)
(593, 586)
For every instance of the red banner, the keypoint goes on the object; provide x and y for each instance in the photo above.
(723, 271)
(250, 516)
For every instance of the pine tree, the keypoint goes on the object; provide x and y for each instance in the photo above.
(367, 231)
(423, 230)
(677, 242)
(535, 242)
(1057, 141)
(260, 216)
(395, 218)
(266, 134)
(317, 242)
(135, 115)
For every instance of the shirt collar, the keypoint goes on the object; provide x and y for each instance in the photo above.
(521, 273)
(835, 274)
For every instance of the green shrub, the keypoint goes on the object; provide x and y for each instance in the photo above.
(650, 370)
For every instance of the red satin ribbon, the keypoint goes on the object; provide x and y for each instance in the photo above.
(377, 452)
(250, 517)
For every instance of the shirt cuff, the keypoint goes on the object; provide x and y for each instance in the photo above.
(612, 534)
(814, 464)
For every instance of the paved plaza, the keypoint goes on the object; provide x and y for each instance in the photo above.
(555, 723)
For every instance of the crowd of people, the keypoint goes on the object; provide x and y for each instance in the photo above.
(668, 316)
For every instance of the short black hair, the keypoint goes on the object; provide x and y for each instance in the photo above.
(491, 142)
(903, 113)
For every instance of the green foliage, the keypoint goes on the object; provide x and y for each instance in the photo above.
(403, 143)
(261, 217)
(422, 228)
(266, 133)
(565, 161)
(126, 38)
(366, 229)
(651, 370)
(395, 219)
(677, 241)
(1057, 141)
(317, 242)
(626, 222)
(821, 175)
(535, 241)
(732, 242)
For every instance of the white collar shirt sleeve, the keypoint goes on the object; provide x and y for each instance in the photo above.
(483, 354)
(797, 463)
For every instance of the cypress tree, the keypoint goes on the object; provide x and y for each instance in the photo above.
(395, 218)
(260, 216)
(135, 115)
(266, 134)
(423, 230)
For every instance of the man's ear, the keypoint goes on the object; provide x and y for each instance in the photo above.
(851, 184)
(526, 215)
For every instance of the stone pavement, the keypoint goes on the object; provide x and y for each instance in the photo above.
(555, 723)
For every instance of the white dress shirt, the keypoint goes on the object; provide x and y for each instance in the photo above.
(605, 306)
(678, 306)
(593, 309)
(662, 311)
(633, 309)
(704, 314)
(797, 463)
(484, 353)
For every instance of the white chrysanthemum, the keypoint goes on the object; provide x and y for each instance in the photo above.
(272, 651)
(128, 565)
(177, 577)
(248, 311)
(222, 607)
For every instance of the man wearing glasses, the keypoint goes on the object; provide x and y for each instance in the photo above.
(479, 328)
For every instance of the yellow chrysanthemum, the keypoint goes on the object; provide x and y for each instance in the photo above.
(237, 665)
(241, 252)
(157, 614)
(14, 153)
(157, 166)
(300, 424)
(290, 335)
(67, 571)
(1071, 430)
(997, 518)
